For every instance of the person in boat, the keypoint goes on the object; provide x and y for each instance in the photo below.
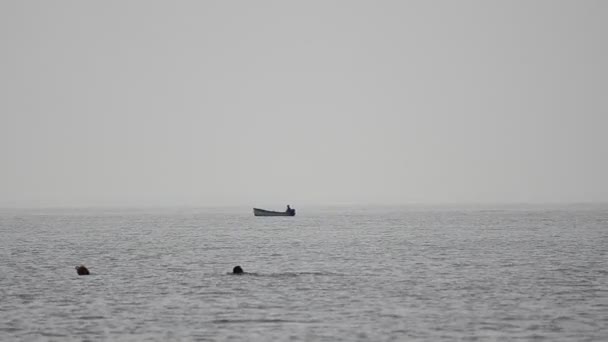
(288, 209)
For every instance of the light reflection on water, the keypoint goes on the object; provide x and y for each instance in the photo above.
(326, 274)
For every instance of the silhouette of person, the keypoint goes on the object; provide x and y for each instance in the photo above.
(81, 270)
(237, 270)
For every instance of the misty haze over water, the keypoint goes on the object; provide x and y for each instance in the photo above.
(238, 103)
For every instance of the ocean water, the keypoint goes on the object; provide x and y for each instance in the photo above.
(328, 274)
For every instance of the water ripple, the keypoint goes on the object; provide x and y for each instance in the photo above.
(332, 274)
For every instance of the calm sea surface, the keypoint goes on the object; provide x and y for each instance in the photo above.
(381, 274)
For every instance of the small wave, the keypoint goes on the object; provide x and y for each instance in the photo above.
(261, 320)
(219, 293)
(243, 274)
(240, 321)
(562, 319)
(294, 274)
(316, 273)
(393, 316)
(298, 274)
(50, 334)
(91, 317)
(285, 274)
(25, 296)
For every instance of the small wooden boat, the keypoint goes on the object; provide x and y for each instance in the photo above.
(262, 212)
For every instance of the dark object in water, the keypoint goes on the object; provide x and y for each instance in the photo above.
(82, 270)
(237, 270)
(262, 212)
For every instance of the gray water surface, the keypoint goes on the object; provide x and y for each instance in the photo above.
(380, 274)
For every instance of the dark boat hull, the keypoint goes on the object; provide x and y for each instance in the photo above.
(262, 212)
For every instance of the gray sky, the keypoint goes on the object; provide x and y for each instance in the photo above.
(308, 102)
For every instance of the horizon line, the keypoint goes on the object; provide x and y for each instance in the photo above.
(304, 205)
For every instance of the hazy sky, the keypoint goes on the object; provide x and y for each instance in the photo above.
(307, 102)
